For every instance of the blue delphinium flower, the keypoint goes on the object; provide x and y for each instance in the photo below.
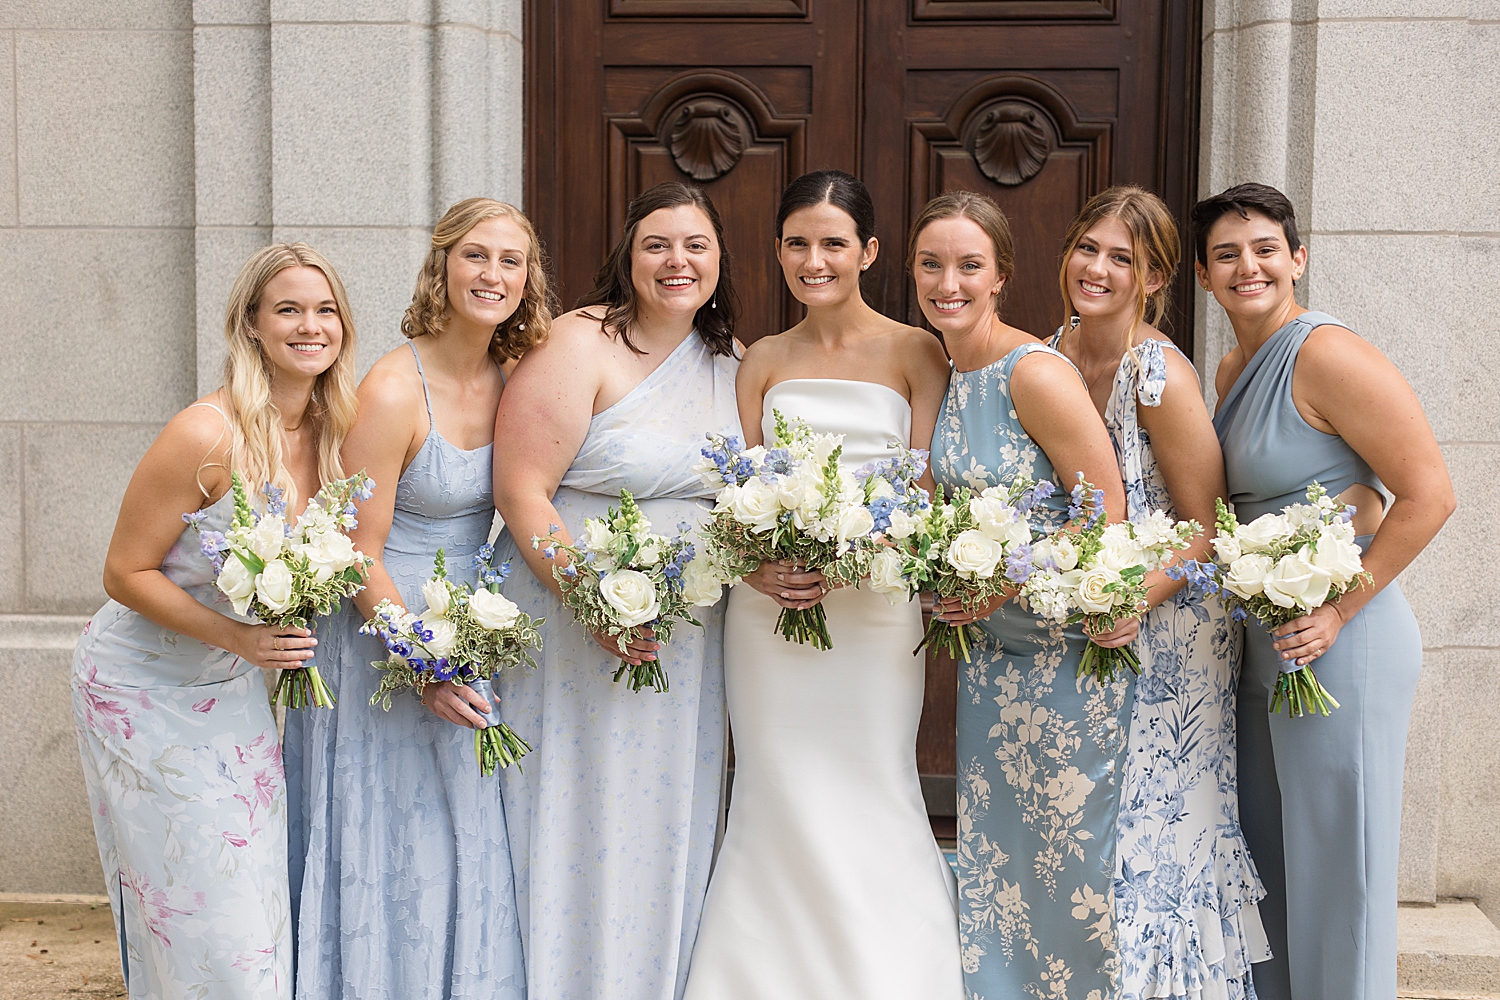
(1018, 563)
(880, 510)
(275, 504)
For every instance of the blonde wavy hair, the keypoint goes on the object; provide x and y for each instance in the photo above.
(1154, 243)
(428, 312)
(255, 425)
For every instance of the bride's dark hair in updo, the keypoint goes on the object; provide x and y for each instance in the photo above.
(614, 288)
(836, 188)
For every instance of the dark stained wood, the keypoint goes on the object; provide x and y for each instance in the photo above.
(898, 92)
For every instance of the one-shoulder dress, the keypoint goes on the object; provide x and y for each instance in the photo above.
(828, 883)
(1320, 798)
(184, 778)
(1039, 749)
(1186, 888)
(613, 814)
(400, 863)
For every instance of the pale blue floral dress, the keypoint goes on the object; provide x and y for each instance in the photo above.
(184, 778)
(400, 865)
(1039, 750)
(1186, 890)
(612, 822)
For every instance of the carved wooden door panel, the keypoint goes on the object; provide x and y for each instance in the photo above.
(740, 95)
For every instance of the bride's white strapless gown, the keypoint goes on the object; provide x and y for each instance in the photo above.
(829, 885)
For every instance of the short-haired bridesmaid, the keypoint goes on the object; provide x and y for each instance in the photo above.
(1186, 891)
(1303, 398)
(180, 752)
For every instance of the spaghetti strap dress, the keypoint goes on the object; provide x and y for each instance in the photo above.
(1186, 889)
(1320, 798)
(184, 777)
(613, 819)
(1039, 750)
(400, 863)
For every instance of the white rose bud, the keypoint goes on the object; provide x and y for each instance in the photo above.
(1246, 576)
(444, 635)
(438, 598)
(701, 585)
(632, 595)
(755, 504)
(267, 538)
(648, 554)
(237, 584)
(1258, 535)
(1092, 596)
(596, 535)
(1227, 548)
(855, 522)
(973, 554)
(903, 525)
(274, 585)
(492, 611)
(886, 578)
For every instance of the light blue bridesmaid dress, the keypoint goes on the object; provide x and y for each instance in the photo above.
(612, 822)
(1039, 750)
(185, 784)
(1320, 798)
(1186, 890)
(400, 864)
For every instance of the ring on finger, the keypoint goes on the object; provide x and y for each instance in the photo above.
(276, 644)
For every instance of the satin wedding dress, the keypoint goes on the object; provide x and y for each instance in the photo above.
(829, 884)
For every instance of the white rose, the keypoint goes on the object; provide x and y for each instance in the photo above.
(1227, 548)
(886, 578)
(1246, 576)
(444, 634)
(802, 490)
(438, 598)
(995, 518)
(903, 525)
(974, 554)
(267, 538)
(707, 471)
(1259, 534)
(328, 553)
(1295, 582)
(1298, 514)
(237, 584)
(701, 585)
(492, 611)
(755, 504)
(855, 521)
(1338, 558)
(596, 535)
(274, 585)
(632, 595)
(1060, 550)
(756, 455)
(1119, 551)
(1092, 597)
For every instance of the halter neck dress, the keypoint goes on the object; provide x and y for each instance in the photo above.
(1039, 749)
(612, 821)
(1320, 798)
(400, 863)
(184, 777)
(1186, 889)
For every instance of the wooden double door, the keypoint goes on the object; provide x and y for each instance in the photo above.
(1037, 103)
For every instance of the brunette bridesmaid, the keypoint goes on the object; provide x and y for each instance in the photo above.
(1186, 892)
(407, 888)
(1303, 398)
(180, 752)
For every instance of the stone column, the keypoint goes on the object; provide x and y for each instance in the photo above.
(1379, 124)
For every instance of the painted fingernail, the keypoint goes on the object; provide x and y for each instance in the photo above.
(786, 595)
(780, 578)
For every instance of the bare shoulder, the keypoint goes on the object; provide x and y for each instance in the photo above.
(392, 381)
(1230, 366)
(1045, 370)
(577, 336)
(914, 341)
(1329, 348)
(200, 430)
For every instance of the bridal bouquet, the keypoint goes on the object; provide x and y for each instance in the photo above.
(464, 636)
(1280, 567)
(621, 576)
(973, 548)
(792, 502)
(286, 574)
(1096, 573)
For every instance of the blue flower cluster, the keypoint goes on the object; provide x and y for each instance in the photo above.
(673, 570)
(387, 629)
(1033, 495)
(1086, 500)
(489, 574)
(275, 502)
(1203, 578)
(732, 465)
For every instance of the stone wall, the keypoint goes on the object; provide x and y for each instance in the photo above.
(1381, 121)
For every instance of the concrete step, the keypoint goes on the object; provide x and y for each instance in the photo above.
(1450, 951)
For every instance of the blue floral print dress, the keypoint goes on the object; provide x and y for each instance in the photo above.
(1039, 750)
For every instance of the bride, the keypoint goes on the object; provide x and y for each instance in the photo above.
(829, 883)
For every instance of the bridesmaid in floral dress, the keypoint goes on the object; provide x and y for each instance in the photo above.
(612, 822)
(1186, 893)
(179, 745)
(1039, 753)
(401, 874)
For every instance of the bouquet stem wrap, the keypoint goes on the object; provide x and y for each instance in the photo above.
(496, 745)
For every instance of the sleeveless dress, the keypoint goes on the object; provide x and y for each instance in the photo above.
(829, 883)
(612, 821)
(400, 865)
(1321, 797)
(184, 778)
(1186, 888)
(1039, 750)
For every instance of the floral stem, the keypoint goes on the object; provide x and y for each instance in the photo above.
(1302, 694)
(498, 746)
(807, 626)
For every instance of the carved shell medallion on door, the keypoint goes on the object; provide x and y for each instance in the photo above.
(1012, 143)
(708, 138)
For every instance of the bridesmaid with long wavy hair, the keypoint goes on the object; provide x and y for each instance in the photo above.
(180, 752)
(1186, 892)
(1303, 398)
(400, 860)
